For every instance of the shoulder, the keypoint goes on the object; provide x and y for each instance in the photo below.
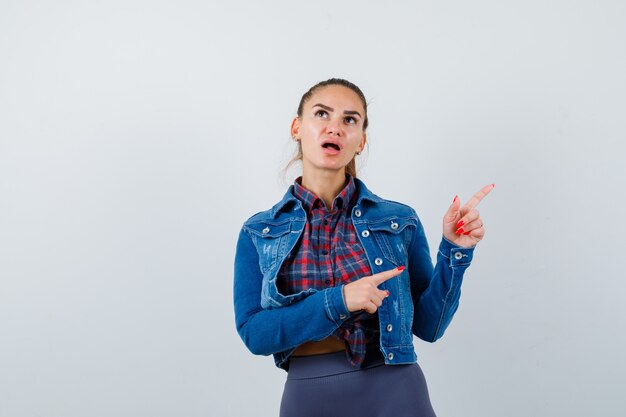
(396, 206)
(260, 217)
(284, 211)
(382, 206)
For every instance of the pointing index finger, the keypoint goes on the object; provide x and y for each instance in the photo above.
(477, 198)
(381, 277)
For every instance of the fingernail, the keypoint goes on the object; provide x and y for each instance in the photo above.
(387, 291)
(455, 197)
(466, 233)
(493, 185)
(460, 230)
(401, 268)
(460, 223)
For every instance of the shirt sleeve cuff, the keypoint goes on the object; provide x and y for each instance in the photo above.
(335, 306)
(458, 255)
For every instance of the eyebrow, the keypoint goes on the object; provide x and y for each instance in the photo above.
(331, 109)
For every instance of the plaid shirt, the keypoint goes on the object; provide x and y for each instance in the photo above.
(329, 254)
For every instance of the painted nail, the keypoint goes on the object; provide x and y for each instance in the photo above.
(401, 268)
(387, 291)
(493, 185)
(466, 233)
(460, 223)
(460, 230)
(455, 197)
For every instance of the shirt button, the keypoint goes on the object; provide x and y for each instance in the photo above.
(390, 356)
(266, 230)
(389, 327)
(325, 222)
(458, 255)
(365, 233)
(378, 261)
(357, 213)
(327, 281)
(324, 252)
(394, 225)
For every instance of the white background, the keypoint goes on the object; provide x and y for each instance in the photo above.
(137, 136)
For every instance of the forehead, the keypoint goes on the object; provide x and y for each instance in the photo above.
(337, 97)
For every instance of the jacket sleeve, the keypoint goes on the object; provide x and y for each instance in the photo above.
(435, 291)
(267, 331)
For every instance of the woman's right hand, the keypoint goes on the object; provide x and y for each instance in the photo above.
(363, 294)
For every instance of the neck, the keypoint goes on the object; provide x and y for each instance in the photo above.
(325, 184)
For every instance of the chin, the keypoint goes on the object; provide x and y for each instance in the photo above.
(328, 165)
(333, 167)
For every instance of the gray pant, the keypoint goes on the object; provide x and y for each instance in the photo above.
(328, 386)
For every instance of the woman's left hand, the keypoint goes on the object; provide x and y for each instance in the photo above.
(463, 225)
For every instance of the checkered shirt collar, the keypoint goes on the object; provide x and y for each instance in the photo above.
(311, 201)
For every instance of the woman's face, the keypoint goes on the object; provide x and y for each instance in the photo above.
(330, 129)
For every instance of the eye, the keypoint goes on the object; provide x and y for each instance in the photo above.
(350, 120)
(321, 113)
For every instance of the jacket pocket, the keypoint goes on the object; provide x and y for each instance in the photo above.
(393, 236)
(270, 241)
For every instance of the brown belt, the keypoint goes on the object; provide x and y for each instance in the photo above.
(328, 345)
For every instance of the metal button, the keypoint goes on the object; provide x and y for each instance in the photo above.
(394, 225)
(378, 261)
(389, 327)
(458, 255)
(365, 233)
(390, 356)
(266, 230)
(357, 213)
(342, 316)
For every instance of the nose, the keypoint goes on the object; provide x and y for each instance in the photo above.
(334, 127)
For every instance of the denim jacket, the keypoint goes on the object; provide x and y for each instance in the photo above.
(421, 302)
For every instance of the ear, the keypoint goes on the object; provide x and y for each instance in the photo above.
(363, 142)
(295, 127)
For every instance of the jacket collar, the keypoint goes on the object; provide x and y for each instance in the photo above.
(365, 194)
(289, 199)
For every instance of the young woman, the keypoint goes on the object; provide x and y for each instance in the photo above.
(334, 281)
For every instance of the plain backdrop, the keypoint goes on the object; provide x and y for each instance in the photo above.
(137, 136)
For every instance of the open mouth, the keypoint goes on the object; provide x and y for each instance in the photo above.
(331, 146)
